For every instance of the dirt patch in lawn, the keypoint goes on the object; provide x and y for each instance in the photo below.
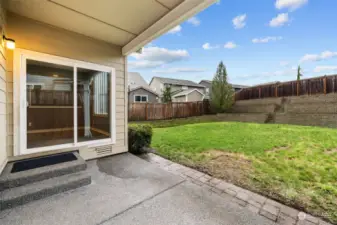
(277, 149)
(330, 151)
(232, 167)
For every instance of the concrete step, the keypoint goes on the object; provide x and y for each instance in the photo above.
(13, 197)
(12, 180)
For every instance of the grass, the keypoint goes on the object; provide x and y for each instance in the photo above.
(293, 164)
(179, 122)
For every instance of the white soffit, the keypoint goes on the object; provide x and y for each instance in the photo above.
(56, 15)
(169, 3)
(128, 23)
(133, 16)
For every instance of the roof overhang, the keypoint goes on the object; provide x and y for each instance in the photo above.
(130, 24)
(144, 88)
(184, 93)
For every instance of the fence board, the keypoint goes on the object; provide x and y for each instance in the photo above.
(311, 86)
(161, 111)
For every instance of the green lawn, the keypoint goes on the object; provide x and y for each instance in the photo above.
(179, 122)
(296, 165)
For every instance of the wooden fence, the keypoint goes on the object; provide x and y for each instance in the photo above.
(316, 85)
(161, 111)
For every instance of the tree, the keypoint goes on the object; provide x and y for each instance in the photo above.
(222, 91)
(299, 74)
(167, 96)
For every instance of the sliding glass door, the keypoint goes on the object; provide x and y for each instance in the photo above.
(50, 104)
(66, 103)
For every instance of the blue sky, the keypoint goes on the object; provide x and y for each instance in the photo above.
(258, 40)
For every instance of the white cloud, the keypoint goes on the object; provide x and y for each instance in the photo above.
(208, 46)
(194, 21)
(279, 20)
(175, 30)
(230, 45)
(144, 64)
(318, 57)
(239, 22)
(180, 70)
(284, 63)
(290, 4)
(327, 69)
(266, 39)
(152, 57)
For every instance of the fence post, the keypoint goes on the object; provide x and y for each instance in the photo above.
(276, 91)
(324, 83)
(146, 111)
(259, 92)
(297, 87)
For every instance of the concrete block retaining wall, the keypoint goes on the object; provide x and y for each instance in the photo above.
(317, 110)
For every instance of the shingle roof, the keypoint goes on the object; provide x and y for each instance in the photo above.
(180, 82)
(186, 92)
(233, 85)
(144, 88)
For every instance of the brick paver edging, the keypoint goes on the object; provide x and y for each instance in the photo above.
(275, 211)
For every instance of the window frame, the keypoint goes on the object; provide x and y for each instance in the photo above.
(20, 103)
(136, 95)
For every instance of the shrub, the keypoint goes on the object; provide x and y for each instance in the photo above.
(140, 136)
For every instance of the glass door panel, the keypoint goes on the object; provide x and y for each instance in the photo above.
(93, 105)
(50, 104)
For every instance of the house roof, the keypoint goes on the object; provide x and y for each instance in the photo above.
(130, 24)
(135, 80)
(144, 88)
(233, 85)
(180, 82)
(186, 92)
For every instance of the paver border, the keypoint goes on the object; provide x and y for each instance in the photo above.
(275, 211)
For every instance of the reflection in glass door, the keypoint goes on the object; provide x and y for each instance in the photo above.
(93, 101)
(50, 104)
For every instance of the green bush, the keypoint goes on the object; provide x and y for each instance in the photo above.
(140, 136)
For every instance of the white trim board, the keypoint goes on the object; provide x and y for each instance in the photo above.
(182, 12)
(20, 117)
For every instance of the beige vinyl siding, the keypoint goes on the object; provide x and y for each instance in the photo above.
(179, 99)
(194, 96)
(151, 98)
(3, 93)
(155, 86)
(39, 37)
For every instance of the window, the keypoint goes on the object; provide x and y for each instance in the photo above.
(207, 91)
(184, 87)
(63, 103)
(101, 93)
(141, 98)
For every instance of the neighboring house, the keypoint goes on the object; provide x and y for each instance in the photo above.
(63, 85)
(181, 90)
(208, 87)
(139, 90)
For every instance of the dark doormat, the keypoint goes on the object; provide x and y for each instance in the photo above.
(42, 161)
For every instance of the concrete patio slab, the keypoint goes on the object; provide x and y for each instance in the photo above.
(128, 190)
(118, 183)
(188, 204)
